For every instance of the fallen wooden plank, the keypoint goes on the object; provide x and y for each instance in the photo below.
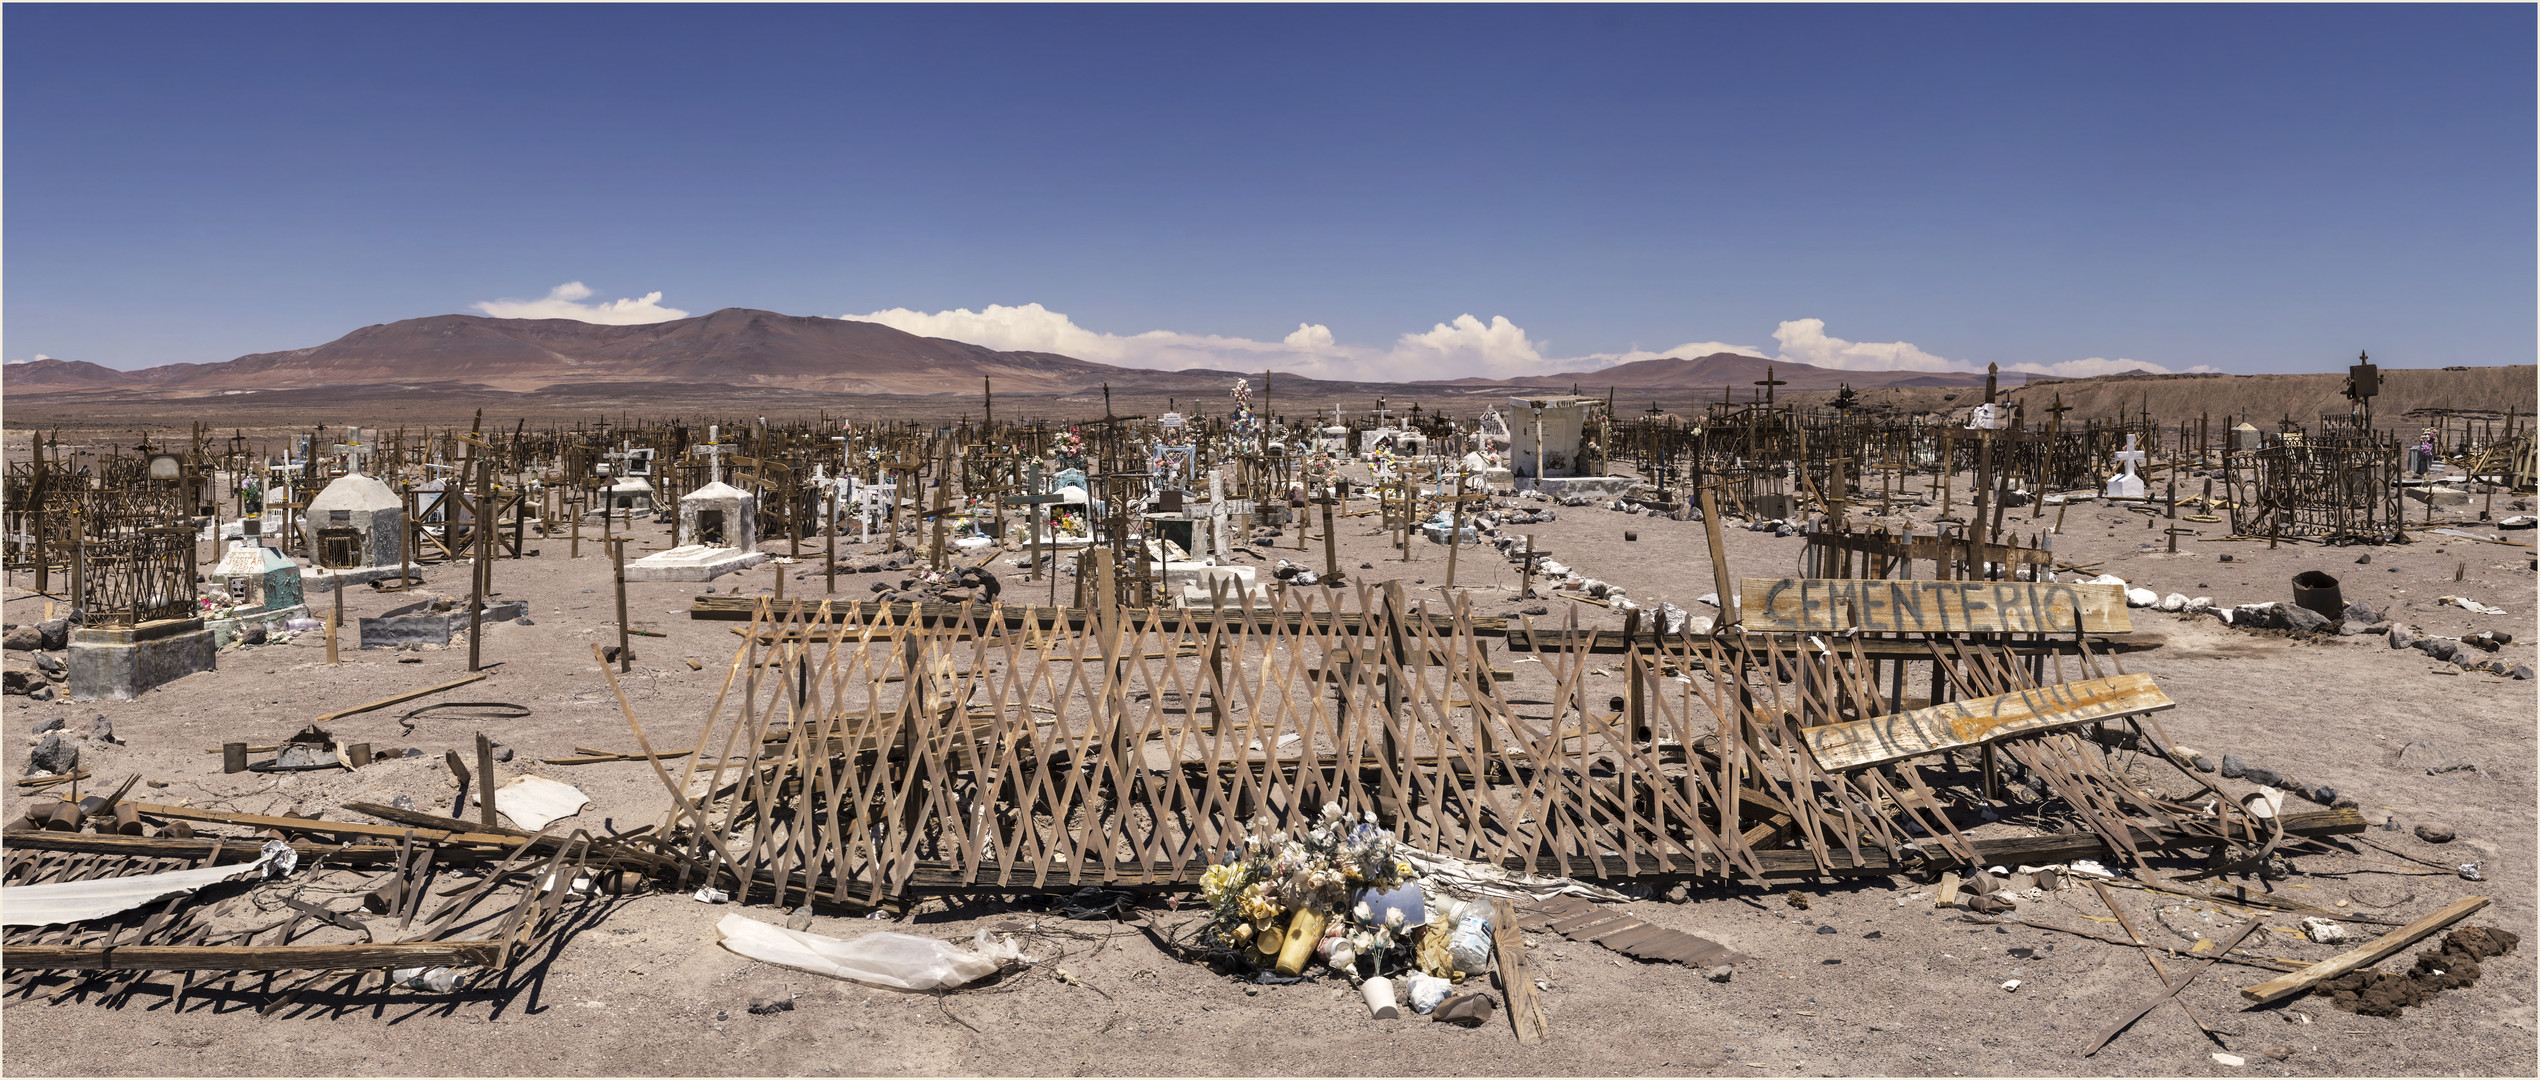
(250, 957)
(1525, 1010)
(2373, 953)
(196, 848)
(1826, 605)
(320, 825)
(1897, 736)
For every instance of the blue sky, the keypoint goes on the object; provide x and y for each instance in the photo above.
(1389, 191)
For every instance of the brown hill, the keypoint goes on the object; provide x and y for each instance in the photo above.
(1741, 371)
(2265, 400)
(53, 376)
(732, 347)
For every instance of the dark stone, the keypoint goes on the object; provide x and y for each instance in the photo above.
(54, 724)
(1826, 930)
(2401, 637)
(51, 665)
(502, 753)
(2297, 617)
(103, 730)
(523, 621)
(1538, 609)
(2205, 764)
(2321, 794)
(19, 681)
(2435, 833)
(2360, 612)
(251, 633)
(55, 755)
(2263, 777)
(770, 1006)
(22, 639)
(2522, 672)
(56, 632)
(41, 693)
(2232, 767)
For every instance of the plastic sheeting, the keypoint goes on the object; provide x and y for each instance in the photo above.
(882, 958)
(59, 902)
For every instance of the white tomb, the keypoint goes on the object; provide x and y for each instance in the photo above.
(2126, 485)
(718, 533)
(355, 529)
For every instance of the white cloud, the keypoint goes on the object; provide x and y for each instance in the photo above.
(31, 359)
(563, 302)
(1465, 346)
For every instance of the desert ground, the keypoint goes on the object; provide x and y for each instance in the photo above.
(1868, 978)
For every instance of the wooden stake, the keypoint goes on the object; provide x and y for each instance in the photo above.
(617, 560)
(485, 781)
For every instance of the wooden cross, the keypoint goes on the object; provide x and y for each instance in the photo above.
(1768, 382)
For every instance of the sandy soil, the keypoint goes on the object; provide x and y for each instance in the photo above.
(646, 990)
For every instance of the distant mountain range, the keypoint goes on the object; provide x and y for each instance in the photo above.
(737, 348)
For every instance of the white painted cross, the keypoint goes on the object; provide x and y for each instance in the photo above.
(353, 449)
(714, 454)
(2127, 485)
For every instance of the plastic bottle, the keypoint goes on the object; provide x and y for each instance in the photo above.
(1470, 945)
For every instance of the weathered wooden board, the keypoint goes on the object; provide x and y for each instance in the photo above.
(1927, 548)
(1951, 724)
(2377, 950)
(1818, 605)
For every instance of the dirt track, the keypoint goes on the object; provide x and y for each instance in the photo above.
(646, 990)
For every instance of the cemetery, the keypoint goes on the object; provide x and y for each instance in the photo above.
(1514, 712)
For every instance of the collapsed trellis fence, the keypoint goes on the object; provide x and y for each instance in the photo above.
(865, 751)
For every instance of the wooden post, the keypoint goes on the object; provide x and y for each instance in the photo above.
(1454, 529)
(617, 560)
(485, 781)
(481, 532)
(1331, 545)
(829, 524)
(337, 620)
(1719, 558)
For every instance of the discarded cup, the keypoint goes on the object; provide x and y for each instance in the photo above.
(1380, 1000)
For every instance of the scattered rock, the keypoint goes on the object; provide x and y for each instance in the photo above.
(2205, 764)
(2324, 931)
(2432, 832)
(52, 666)
(1537, 609)
(56, 633)
(771, 1005)
(2297, 617)
(103, 730)
(2263, 777)
(1719, 974)
(523, 621)
(2233, 768)
(54, 755)
(22, 639)
(2401, 637)
(52, 724)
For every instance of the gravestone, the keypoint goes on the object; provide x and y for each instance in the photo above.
(2126, 485)
(718, 534)
(356, 531)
